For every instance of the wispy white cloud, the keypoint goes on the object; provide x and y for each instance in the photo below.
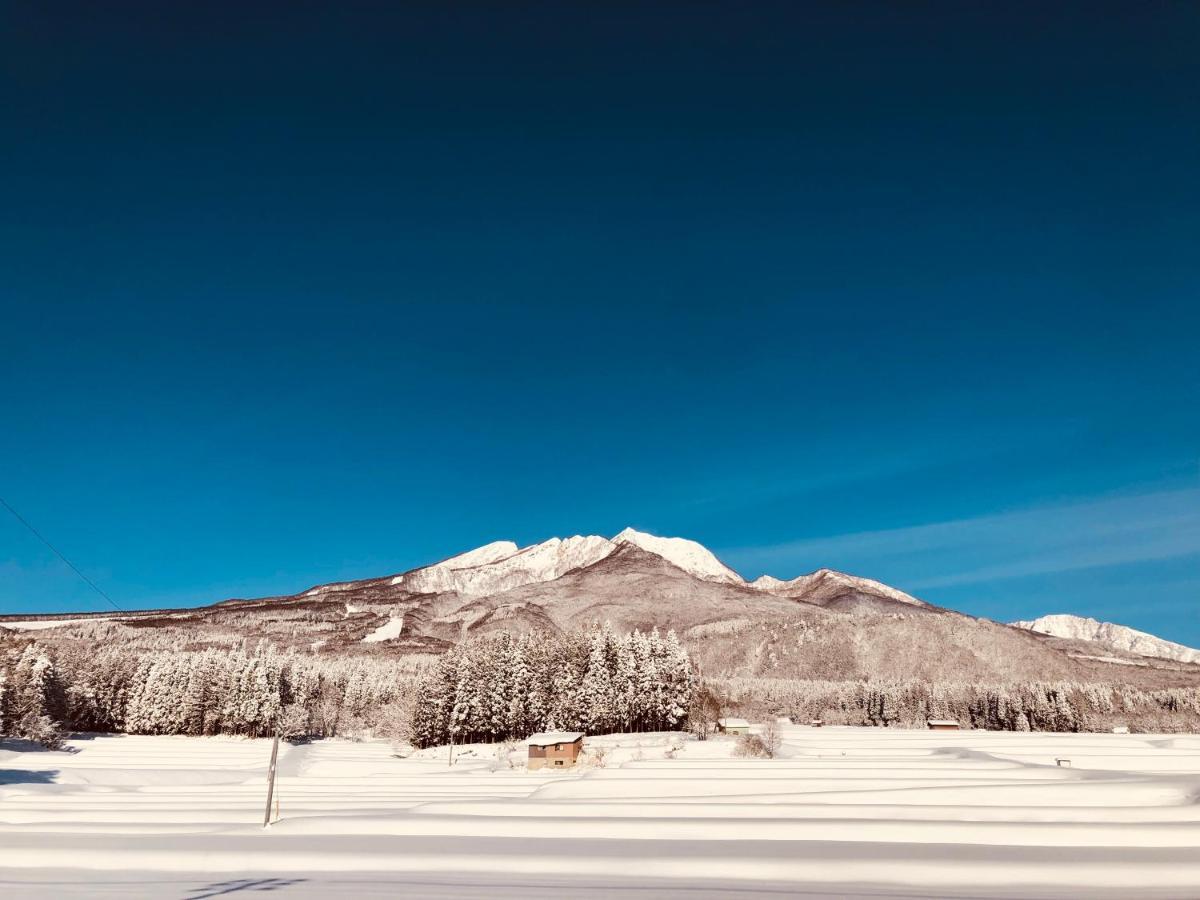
(1049, 539)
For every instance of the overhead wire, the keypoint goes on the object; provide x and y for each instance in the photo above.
(37, 534)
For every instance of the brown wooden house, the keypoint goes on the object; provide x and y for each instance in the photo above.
(944, 725)
(555, 749)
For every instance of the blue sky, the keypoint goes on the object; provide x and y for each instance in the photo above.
(291, 296)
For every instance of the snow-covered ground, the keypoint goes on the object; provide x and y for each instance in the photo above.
(388, 631)
(845, 812)
(40, 624)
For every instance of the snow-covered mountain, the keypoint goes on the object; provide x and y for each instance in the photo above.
(826, 625)
(480, 556)
(501, 566)
(827, 582)
(693, 558)
(1119, 636)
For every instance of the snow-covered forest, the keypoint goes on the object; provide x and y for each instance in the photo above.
(491, 689)
(1026, 706)
(212, 691)
(596, 681)
(504, 686)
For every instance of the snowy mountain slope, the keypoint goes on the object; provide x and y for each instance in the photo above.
(501, 566)
(481, 556)
(769, 583)
(541, 562)
(693, 558)
(825, 585)
(824, 626)
(632, 588)
(1119, 636)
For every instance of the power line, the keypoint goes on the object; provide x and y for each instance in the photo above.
(37, 534)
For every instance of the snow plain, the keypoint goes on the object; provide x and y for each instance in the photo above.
(844, 812)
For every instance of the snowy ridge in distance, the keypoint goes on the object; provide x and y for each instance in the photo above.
(1121, 637)
(805, 583)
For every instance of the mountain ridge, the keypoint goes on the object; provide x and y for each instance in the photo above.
(1110, 634)
(825, 624)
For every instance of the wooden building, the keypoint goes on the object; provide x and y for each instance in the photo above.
(556, 749)
(733, 726)
(943, 725)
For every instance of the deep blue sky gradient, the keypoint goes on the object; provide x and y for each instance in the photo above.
(293, 294)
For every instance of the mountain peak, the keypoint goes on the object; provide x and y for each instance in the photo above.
(767, 583)
(814, 580)
(693, 558)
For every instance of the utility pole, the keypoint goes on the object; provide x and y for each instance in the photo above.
(271, 779)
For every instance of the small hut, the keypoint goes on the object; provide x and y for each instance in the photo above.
(943, 725)
(557, 749)
(733, 726)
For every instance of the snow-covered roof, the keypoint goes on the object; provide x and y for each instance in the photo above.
(725, 723)
(545, 738)
(943, 721)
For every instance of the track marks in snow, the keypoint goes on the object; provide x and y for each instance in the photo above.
(845, 811)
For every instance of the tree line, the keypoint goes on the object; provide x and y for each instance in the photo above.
(1025, 706)
(505, 686)
(237, 691)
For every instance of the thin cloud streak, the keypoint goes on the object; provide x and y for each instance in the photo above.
(1044, 540)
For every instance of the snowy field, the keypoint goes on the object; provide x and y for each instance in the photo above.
(845, 812)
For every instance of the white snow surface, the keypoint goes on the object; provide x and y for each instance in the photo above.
(541, 562)
(39, 624)
(481, 556)
(544, 738)
(388, 631)
(1119, 636)
(331, 588)
(693, 558)
(843, 812)
(768, 583)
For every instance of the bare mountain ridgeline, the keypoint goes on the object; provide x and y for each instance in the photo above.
(765, 645)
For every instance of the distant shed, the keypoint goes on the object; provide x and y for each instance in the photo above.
(944, 725)
(733, 726)
(557, 749)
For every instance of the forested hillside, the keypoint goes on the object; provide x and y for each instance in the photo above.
(500, 641)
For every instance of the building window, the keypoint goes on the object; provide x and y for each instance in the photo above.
(558, 746)
(558, 762)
